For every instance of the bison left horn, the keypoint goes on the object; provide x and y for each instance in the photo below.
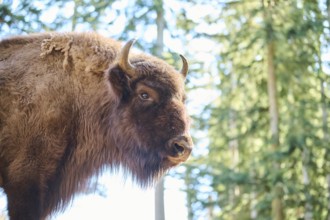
(184, 70)
(123, 59)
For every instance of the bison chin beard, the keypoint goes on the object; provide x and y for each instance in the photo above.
(146, 170)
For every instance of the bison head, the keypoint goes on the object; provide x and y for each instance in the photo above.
(150, 120)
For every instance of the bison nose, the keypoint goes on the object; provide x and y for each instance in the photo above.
(180, 147)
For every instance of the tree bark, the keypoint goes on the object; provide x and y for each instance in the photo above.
(74, 16)
(210, 208)
(160, 22)
(253, 196)
(159, 201)
(326, 135)
(277, 203)
(272, 95)
(233, 145)
(308, 206)
(277, 206)
(187, 181)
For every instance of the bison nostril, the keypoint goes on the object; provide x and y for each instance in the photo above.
(179, 149)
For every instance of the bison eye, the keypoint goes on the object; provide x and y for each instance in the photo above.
(144, 96)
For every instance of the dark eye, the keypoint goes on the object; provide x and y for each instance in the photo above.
(144, 96)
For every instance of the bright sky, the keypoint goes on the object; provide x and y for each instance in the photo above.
(126, 201)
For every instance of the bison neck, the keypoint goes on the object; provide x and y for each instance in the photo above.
(90, 148)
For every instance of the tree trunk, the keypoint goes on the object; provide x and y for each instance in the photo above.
(277, 204)
(3, 211)
(308, 206)
(328, 11)
(234, 190)
(326, 136)
(187, 181)
(210, 209)
(159, 191)
(272, 95)
(159, 201)
(160, 22)
(74, 16)
(253, 196)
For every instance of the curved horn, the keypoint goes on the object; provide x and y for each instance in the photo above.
(185, 67)
(123, 58)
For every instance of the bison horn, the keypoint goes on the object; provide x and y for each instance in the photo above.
(185, 67)
(123, 58)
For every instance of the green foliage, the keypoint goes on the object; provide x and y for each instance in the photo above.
(240, 162)
(22, 18)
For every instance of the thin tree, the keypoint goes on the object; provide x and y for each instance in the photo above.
(159, 190)
(325, 107)
(277, 203)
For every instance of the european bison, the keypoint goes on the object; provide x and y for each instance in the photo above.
(73, 104)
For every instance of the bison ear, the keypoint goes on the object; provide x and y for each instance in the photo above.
(120, 82)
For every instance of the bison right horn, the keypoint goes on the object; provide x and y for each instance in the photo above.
(184, 70)
(123, 58)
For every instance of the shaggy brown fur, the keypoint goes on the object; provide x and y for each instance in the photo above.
(68, 109)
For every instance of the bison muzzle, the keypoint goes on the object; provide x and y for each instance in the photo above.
(72, 105)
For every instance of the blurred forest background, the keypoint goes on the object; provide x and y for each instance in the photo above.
(258, 88)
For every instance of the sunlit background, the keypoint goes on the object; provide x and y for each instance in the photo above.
(258, 94)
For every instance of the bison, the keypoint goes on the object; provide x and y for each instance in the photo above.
(73, 104)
